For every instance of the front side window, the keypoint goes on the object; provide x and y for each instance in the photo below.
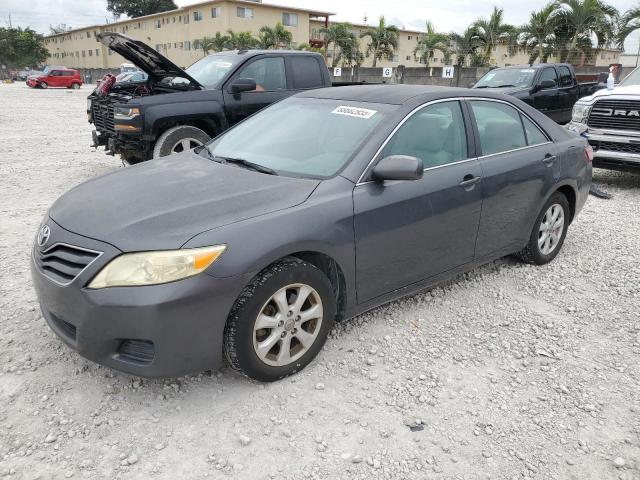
(269, 74)
(499, 127)
(549, 74)
(305, 137)
(435, 135)
(290, 19)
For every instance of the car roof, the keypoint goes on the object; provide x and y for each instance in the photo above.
(253, 52)
(396, 94)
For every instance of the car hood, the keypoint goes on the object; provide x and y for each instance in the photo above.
(163, 203)
(505, 90)
(144, 57)
(630, 90)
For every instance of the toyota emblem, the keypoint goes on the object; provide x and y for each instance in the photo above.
(43, 235)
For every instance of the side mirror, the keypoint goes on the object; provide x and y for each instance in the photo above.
(545, 84)
(471, 84)
(243, 85)
(398, 167)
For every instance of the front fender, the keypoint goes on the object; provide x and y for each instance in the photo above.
(158, 117)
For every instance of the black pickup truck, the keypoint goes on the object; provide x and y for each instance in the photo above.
(176, 109)
(549, 88)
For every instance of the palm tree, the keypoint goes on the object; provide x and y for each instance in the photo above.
(276, 37)
(538, 37)
(351, 53)
(629, 23)
(465, 46)
(582, 19)
(383, 41)
(340, 35)
(241, 40)
(429, 42)
(214, 44)
(493, 31)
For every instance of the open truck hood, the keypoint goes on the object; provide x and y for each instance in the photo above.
(144, 57)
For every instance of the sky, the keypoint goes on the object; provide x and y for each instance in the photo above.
(446, 15)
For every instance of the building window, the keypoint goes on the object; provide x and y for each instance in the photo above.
(78, 54)
(243, 12)
(408, 57)
(215, 12)
(88, 34)
(187, 45)
(108, 51)
(158, 47)
(395, 58)
(290, 19)
(91, 53)
(197, 16)
(97, 52)
(196, 44)
(157, 22)
(180, 19)
(409, 37)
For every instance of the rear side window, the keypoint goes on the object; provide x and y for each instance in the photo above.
(499, 127)
(55, 73)
(435, 135)
(306, 72)
(565, 77)
(67, 74)
(534, 135)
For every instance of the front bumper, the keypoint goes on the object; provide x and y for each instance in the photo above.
(155, 331)
(618, 150)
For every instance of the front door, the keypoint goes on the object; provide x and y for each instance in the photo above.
(270, 76)
(546, 98)
(407, 231)
(519, 165)
(54, 78)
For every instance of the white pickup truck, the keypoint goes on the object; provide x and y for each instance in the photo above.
(610, 120)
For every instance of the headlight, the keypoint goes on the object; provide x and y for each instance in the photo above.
(580, 113)
(126, 113)
(152, 268)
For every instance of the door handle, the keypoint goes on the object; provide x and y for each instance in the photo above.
(549, 159)
(469, 181)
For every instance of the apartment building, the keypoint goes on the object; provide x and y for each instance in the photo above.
(176, 33)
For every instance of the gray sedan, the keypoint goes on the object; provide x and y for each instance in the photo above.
(316, 209)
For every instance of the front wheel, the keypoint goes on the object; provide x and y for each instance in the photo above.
(179, 139)
(280, 321)
(549, 231)
(44, 85)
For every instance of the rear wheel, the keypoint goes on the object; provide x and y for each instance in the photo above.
(280, 321)
(179, 139)
(548, 232)
(75, 86)
(44, 85)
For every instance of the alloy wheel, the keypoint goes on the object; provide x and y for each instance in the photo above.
(185, 144)
(551, 228)
(287, 325)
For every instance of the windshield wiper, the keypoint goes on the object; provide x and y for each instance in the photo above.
(505, 85)
(238, 161)
(482, 86)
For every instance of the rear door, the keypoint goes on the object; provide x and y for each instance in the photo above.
(66, 78)
(407, 231)
(519, 165)
(546, 99)
(270, 75)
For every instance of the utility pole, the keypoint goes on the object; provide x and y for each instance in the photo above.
(10, 21)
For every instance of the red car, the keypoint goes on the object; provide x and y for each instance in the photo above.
(56, 77)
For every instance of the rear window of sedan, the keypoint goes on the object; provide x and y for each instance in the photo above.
(303, 136)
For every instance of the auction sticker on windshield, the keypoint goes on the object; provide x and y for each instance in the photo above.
(355, 112)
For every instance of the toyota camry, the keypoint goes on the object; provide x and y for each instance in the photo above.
(316, 209)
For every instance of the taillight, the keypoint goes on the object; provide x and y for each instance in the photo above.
(588, 154)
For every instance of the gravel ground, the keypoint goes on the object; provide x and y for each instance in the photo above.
(509, 371)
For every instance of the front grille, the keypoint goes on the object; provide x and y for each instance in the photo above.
(137, 351)
(63, 263)
(67, 329)
(102, 114)
(613, 121)
(618, 147)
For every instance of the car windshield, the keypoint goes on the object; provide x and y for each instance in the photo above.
(209, 71)
(632, 79)
(306, 137)
(508, 77)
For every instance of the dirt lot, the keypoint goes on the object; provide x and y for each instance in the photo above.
(510, 371)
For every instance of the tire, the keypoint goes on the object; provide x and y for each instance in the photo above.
(44, 85)
(75, 86)
(243, 338)
(176, 139)
(542, 249)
